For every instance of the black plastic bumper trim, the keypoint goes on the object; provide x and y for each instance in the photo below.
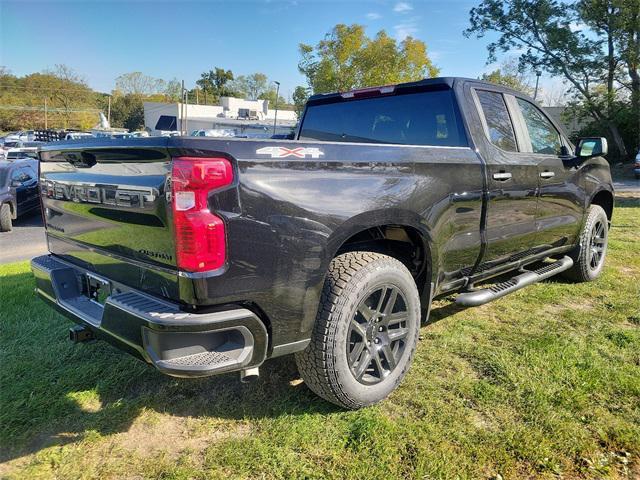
(178, 343)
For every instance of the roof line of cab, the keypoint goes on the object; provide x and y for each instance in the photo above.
(407, 87)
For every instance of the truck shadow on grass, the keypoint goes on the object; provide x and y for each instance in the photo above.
(55, 392)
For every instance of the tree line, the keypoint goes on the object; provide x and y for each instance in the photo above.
(593, 45)
(70, 103)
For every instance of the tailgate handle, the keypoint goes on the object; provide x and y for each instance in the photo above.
(502, 176)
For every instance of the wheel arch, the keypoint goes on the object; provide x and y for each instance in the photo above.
(397, 233)
(604, 198)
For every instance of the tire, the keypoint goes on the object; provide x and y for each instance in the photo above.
(366, 331)
(5, 218)
(589, 256)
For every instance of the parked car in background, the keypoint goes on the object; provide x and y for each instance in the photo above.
(24, 150)
(636, 167)
(20, 149)
(18, 190)
(23, 135)
(8, 144)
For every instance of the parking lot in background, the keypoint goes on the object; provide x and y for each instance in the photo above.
(25, 241)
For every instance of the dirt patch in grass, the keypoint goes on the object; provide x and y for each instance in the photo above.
(154, 433)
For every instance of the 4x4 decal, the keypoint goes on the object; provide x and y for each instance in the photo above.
(283, 152)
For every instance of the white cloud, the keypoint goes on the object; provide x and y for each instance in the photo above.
(373, 16)
(402, 7)
(407, 29)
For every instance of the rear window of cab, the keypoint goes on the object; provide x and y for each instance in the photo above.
(423, 118)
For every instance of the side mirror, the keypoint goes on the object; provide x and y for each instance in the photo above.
(592, 147)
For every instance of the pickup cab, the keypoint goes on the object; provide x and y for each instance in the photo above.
(208, 255)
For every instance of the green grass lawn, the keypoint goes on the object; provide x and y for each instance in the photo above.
(544, 383)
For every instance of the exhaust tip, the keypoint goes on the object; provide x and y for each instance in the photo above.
(249, 375)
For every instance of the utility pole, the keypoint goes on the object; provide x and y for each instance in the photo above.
(46, 123)
(535, 94)
(186, 112)
(197, 97)
(275, 118)
(109, 111)
(182, 109)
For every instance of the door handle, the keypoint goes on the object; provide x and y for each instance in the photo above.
(547, 174)
(502, 176)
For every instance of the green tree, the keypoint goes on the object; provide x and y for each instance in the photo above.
(66, 90)
(550, 35)
(270, 95)
(617, 22)
(510, 76)
(346, 59)
(253, 86)
(215, 83)
(300, 96)
(172, 90)
(127, 111)
(137, 83)
(70, 102)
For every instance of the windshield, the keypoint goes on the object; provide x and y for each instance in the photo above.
(425, 118)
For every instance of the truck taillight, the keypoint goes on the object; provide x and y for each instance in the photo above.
(200, 234)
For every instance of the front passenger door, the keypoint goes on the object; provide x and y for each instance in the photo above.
(560, 207)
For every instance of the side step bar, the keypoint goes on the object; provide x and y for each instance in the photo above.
(486, 295)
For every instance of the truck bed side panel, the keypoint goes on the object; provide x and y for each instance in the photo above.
(296, 213)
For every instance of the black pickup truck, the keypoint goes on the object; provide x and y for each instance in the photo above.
(204, 255)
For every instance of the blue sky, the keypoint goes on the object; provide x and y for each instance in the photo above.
(181, 39)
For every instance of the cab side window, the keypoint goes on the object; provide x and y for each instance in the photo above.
(498, 120)
(544, 136)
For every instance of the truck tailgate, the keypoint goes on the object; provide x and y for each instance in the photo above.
(105, 208)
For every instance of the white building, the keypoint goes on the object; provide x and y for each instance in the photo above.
(232, 113)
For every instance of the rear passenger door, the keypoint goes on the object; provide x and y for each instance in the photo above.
(512, 182)
(560, 198)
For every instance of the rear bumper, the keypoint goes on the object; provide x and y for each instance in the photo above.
(178, 343)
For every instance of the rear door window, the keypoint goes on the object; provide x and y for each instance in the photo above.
(544, 136)
(498, 120)
(424, 118)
